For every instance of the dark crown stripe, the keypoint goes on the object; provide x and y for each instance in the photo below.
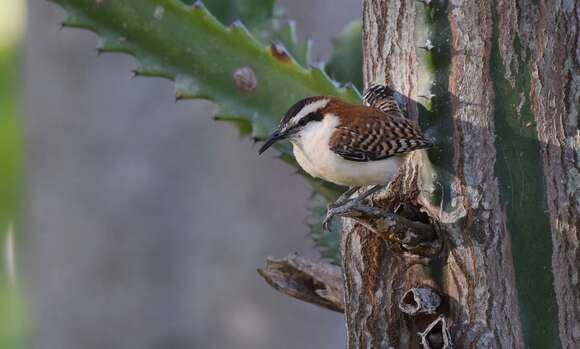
(297, 107)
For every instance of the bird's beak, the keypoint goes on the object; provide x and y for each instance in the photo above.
(274, 137)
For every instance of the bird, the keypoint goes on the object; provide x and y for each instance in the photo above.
(348, 144)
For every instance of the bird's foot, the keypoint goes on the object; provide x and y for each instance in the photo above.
(352, 208)
(348, 207)
(335, 209)
(343, 198)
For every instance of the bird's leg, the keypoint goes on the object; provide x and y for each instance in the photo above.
(343, 198)
(348, 205)
(371, 191)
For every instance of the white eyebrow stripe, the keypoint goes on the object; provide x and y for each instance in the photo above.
(309, 108)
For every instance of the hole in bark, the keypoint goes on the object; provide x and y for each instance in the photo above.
(436, 335)
(420, 300)
(413, 212)
(419, 236)
(409, 300)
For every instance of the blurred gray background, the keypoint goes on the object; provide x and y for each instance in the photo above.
(146, 219)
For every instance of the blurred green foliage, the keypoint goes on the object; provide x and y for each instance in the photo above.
(12, 319)
(11, 150)
(346, 62)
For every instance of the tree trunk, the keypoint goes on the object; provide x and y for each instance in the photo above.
(498, 82)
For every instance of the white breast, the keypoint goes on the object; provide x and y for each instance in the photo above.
(315, 157)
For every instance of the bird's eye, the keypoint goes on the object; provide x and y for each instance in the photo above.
(307, 118)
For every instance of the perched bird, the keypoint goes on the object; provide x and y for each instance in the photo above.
(350, 145)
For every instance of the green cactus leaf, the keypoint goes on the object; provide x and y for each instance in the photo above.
(254, 13)
(263, 20)
(252, 81)
(345, 65)
(206, 59)
(285, 33)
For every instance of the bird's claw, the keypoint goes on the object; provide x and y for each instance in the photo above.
(327, 221)
(340, 209)
(346, 206)
(353, 208)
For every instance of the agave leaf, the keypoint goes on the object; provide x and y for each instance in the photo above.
(254, 13)
(253, 83)
(263, 20)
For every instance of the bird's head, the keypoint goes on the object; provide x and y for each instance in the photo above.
(297, 118)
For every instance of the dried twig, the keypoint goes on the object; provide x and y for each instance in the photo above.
(311, 281)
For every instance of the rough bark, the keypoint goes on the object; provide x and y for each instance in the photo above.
(389, 48)
(479, 275)
(550, 58)
(550, 31)
(375, 276)
(479, 278)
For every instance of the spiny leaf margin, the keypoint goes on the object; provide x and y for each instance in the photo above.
(201, 55)
(263, 18)
(190, 46)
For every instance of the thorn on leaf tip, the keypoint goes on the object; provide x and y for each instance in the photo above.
(428, 45)
(237, 24)
(179, 95)
(279, 52)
